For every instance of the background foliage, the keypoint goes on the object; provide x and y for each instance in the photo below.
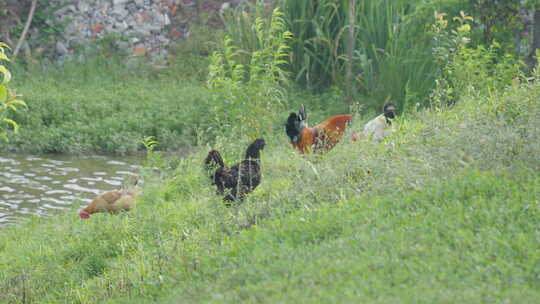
(395, 46)
(249, 97)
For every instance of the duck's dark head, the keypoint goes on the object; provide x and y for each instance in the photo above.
(389, 110)
(296, 124)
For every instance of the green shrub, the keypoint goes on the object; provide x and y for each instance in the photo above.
(248, 98)
(8, 98)
(467, 69)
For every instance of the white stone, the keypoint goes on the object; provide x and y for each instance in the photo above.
(83, 6)
(120, 11)
(61, 49)
(119, 2)
(165, 19)
(225, 6)
(121, 26)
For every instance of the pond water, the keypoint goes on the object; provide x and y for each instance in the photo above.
(42, 185)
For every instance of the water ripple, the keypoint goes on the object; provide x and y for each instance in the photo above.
(7, 189)
(32, 185)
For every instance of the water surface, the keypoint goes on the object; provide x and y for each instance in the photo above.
(43, 185)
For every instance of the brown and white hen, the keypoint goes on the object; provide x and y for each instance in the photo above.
(113, 201)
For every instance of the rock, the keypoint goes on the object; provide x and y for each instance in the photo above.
(143, 32)
(71, 29)
(121, 26)
(61, 49)
(123, 45)
(132, 8)
(62, 11)
(119, 2)
(156, 29)
(225, 6)
(60, 60)
(72, 8)
(83, 6)
(139, 51)
(120, 11)
(97, 28)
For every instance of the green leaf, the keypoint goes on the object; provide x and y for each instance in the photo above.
(3, 136)
(3, 45)
(11, 122)
(17, 102)
(3, 94)
(3, 56)
(7, 74)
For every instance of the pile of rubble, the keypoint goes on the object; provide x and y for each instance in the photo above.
(140, 27)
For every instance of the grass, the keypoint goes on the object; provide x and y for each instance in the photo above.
(104, 107)
(444, 210)
(393, 50)
(442, 244)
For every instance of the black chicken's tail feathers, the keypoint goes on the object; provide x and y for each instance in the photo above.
(213, 161)
(253, 150)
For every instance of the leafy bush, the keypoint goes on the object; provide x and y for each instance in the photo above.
(8, 98)
(248, 98)
(467, 69)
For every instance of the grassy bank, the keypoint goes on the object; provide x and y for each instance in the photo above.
(105, 106)
(102, 106)
(445, 210)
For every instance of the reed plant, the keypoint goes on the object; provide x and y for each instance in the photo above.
(392, 48)
(392, 55)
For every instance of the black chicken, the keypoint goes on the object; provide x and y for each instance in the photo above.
(239, 179)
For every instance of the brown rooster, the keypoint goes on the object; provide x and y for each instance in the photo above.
(113, 201)
(320, 138)
(239, 179)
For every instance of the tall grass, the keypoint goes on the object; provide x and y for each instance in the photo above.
(399, 63)
(102, 105)
(392, 56)
(319, 32)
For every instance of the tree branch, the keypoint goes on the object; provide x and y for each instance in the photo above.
(25, 31)
(350, 50)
